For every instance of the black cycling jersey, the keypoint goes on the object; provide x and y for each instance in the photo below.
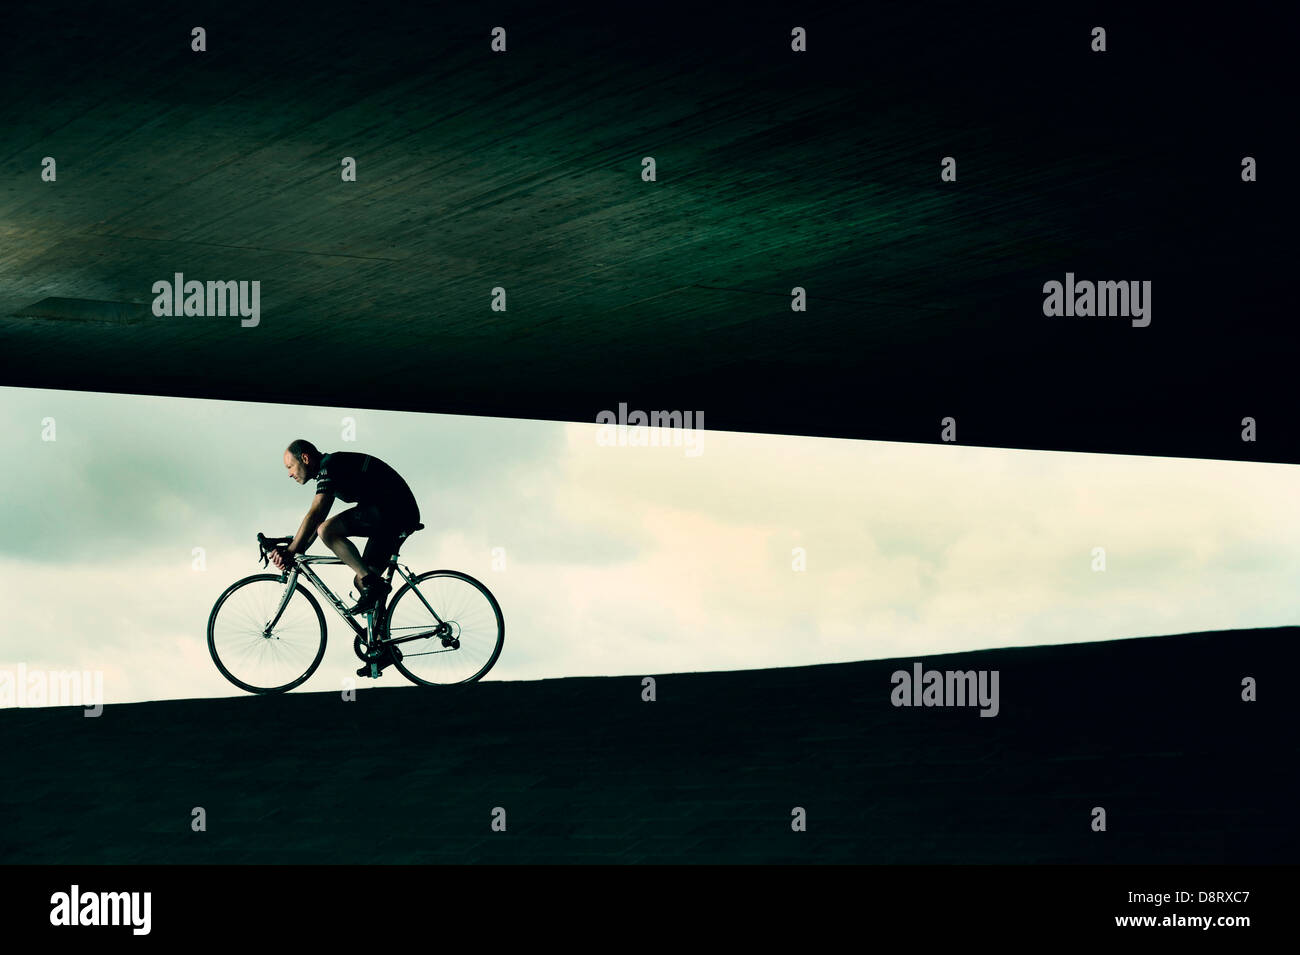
(363, 478)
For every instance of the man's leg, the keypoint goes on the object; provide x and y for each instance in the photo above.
(334, 534)
(379, 548)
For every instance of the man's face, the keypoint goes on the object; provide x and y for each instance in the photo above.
(297, 467)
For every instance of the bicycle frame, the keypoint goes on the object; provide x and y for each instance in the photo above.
(303, 567)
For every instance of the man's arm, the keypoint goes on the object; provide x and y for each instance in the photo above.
(320, 507)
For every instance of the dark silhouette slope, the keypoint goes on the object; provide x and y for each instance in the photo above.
(1153, 730)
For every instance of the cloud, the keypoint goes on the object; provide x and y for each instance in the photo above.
(629, 560)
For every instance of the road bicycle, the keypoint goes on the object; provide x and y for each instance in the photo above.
(267, 632)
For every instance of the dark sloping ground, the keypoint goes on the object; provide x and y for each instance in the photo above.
(1153, 730)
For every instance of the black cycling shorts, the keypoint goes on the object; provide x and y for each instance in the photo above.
(381, 527)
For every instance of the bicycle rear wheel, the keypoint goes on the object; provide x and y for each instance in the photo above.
(257, 650)
(460, 643)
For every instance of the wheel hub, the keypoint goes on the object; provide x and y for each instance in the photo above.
(449, 631)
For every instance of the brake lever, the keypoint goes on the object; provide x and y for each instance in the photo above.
(263, 541)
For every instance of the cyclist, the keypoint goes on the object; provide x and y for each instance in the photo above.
(384, 508)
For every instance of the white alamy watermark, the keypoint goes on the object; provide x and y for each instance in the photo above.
(1087, 299)
(946, 688)
(179, 297)
(654, 429)
(23, 687)
(75, 907)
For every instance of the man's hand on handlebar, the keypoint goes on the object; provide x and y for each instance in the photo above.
(280, 557)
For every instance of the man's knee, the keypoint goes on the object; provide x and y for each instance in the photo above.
(328, 531)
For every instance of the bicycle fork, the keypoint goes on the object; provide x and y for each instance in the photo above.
(292, 582)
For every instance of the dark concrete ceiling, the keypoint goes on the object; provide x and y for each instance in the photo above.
(775, 170)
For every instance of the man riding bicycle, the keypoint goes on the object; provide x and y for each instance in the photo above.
(385, 507)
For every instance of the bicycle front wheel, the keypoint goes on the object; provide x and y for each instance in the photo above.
(448, 627)
(264, 639)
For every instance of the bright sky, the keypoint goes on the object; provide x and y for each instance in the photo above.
(623, 560)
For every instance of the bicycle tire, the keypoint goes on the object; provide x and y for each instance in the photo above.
(496, 609)
(216, 657)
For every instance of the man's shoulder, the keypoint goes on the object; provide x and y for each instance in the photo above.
(356, 464)
(332, 465)
(339, 459)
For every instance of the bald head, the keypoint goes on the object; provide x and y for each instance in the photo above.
(302, 460)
